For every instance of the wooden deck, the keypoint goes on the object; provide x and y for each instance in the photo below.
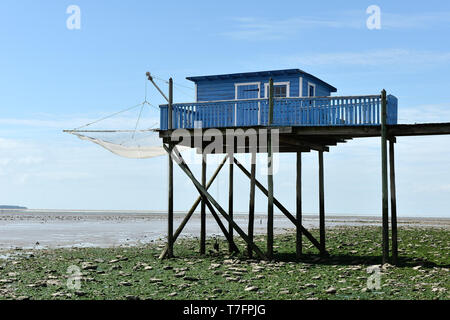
(308, 138)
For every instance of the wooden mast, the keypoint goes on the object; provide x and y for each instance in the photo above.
(251, 209)
(170, 177)
(321, 205)
(393, 201)
(270, 176)
(203, 209)
(384, 180)
(230, 197)
(298, 243)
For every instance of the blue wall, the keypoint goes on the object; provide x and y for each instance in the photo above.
(211, 90)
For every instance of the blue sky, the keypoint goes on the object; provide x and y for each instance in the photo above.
(53, 78)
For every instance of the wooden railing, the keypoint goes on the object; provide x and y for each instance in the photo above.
(315, 111)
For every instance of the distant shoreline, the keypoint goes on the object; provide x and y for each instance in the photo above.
(17, 209)
(8, 207)
(75, 228)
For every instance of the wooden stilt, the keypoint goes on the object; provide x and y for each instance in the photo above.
(203, 210)
(230, 198)
(251, 209)
(270, 177)
(321, 205)
(280, 206)
(298, 242)
(384, 182)
(192, 210)
(170, 205)
(393, 202)
(211, 202)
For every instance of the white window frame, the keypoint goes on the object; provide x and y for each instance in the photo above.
(314, 86)
(300, 87)
(236, 85)
(288, 88)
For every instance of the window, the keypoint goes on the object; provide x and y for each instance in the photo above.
(280, 89)
(311, 90)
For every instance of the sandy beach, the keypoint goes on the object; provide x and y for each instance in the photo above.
(63, 228)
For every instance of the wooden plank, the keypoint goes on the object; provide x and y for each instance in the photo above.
(212, 202)
(346, 132)
(280, 206)
(295, 141)
(384, 181)
(251, 209)
(230, 196)
(192, 210)
(321, 204)
(393, 202)
(420, 129)
(298, 243)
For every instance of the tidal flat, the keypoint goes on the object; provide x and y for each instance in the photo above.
(353, 269)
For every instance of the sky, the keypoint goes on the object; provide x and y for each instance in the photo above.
(54, 78)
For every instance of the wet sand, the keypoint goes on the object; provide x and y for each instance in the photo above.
(29, 229)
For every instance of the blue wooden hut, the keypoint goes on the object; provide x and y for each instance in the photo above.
(300, 99)
(254, 85)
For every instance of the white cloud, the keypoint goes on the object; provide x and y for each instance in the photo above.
(409, 21)
(371, 58)
(250, 28)
(427, 113)
(260, 29)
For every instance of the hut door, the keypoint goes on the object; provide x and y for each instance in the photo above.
(248, 112)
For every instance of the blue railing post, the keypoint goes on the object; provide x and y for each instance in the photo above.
(392, 109)
(170, 123)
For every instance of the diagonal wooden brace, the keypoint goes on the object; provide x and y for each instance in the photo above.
(210, 201)
(221, 226)
(192, 210)
(281, 207)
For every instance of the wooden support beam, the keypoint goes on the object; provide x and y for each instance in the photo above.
(393, 202)
(170, 203)
(298, 142)
(212, 202)
(270, 176)
(249, 149)
(285, 211)
(230, 196)
(203, 210)
(384, 181)
(222, 227)
(251, 209)
(321, 204)
(298, 243)
(192, 210)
